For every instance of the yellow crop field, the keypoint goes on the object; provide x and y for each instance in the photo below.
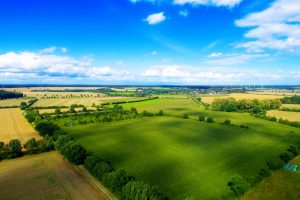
(61, 94)
(42, 111)
(15, 126)
(286, 93)
(292, 116)
(44, 176)
(12, 102)
(239, 96)
(48, 88)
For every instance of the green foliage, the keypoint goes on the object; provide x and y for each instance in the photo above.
(201, 118)
(100, 169)
(90, 162)
(264, 173)
(57, 111)
(23, 104)
(46, 128)
(273, 119)
(294, 150)
(84, 109)
(185, 116)
(253, 180)
(227, 122)
(160, 113)
(275, 164)
(75, 154)
(210, 119)
(238, 185)
(286, 157)
(231, 107)
(15, 148)
(61, 142)
(30, 145)
(116, 180)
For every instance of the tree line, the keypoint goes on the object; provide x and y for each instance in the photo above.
(10, 95)
(291, 100)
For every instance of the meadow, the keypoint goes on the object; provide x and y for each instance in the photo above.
(117, 99)
(142, 103)
(185, 157)
(12, 102)
(173, 95)
(67, 102)
(291, 106)
(52, 178)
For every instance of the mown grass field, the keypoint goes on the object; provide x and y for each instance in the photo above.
(142, 103)
(292, 116)
(187, 157)
(239, 96)
(283, 184)
(44, 176)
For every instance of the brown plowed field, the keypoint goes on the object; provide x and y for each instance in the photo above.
(13, 125)
(44, 176)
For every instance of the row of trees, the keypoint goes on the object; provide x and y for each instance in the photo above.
(295, 124)
(9, 95)
(291, 100)
(255, 105)
(24, 105)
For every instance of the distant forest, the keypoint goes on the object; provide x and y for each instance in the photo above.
(9, 95)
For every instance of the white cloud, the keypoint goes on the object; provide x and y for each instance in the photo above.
(293, 72)
(165, 60)
(276, 27)
(280, 71)
(184, 13)
(211, 45)
(229, 3)
(215, 55)
(48, 50)
(236, 60)
(63, 49)
(154, 53)
(155, 18)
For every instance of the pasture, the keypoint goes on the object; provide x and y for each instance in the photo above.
(15, 126)
(239, 96)
(291, 116)
(186, 157)
(44, 176)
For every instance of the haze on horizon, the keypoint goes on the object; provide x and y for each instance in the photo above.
(188, 42)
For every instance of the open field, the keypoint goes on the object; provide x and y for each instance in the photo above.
(169, 95)
(15, 126)
(186, 157)
(42, 111)
(61, 94)
(239, 96)
(149, 102)
(292, 116)
(116, 99)
(283, 184)
(48, 88)
(291, 106)
(275, 93)
(67, 102)
(12, 102)
(44, 176)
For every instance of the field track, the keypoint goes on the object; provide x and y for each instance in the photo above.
(14, 126)
(45, 176)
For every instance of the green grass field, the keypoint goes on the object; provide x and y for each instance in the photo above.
(187, 157)
(142, 103)
(170, 95)
(123, 99)
(67, 102)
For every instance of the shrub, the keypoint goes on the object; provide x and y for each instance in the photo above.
(227, 122)
(201, 118)
(265, 173)
(247, 127)
(210, 119)
(242, 126)
(238, 185)
(160, 113)
(294, 150)
(286, 157)
(275, 164)
(100, 169)
(253, 180)
(116, 180)
(273, 119)
(185, 116)
(46, 128)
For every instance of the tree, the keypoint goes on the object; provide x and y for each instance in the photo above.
(264, 173)
(238, 185)
(30, 145)
(116, 180)
(46, 128)
(15, 148)
(75, 154)
(210, 119)
(84, 109)
(185, 116)
(273, 119)
(57, 111)
(160, 113)
(22, 104)
(231, 107)
(61, 142)
(201, 118)
(227, 122)
(294, 150)
(286, 157)
(133, 109)
(100, 169)
(90, 162)
(275, 164)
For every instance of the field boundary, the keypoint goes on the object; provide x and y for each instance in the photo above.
(99, 185)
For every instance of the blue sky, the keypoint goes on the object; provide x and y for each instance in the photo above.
(150, 42)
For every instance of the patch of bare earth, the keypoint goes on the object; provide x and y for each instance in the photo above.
(44, 176)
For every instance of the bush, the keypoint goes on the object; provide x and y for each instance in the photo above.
(160, 113)
(100, 169)
(273, 119)
(286, 157)
(185, 116)
(46, 128)
(294, 150)
(265, 173)
(210, 119)
(253, 180)
(242, 126)
(201, 118)
(227, 122)
(238, 185)
(275, 164)
(116, 180)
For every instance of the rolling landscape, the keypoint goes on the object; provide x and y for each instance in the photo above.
(150, 100)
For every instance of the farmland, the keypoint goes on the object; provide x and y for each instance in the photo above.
(148, 102)
(67, 102)
(186, 157)
(15, 126)
(52, 178)
(292, 116)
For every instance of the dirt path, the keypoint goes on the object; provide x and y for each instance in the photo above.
(103, 189)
